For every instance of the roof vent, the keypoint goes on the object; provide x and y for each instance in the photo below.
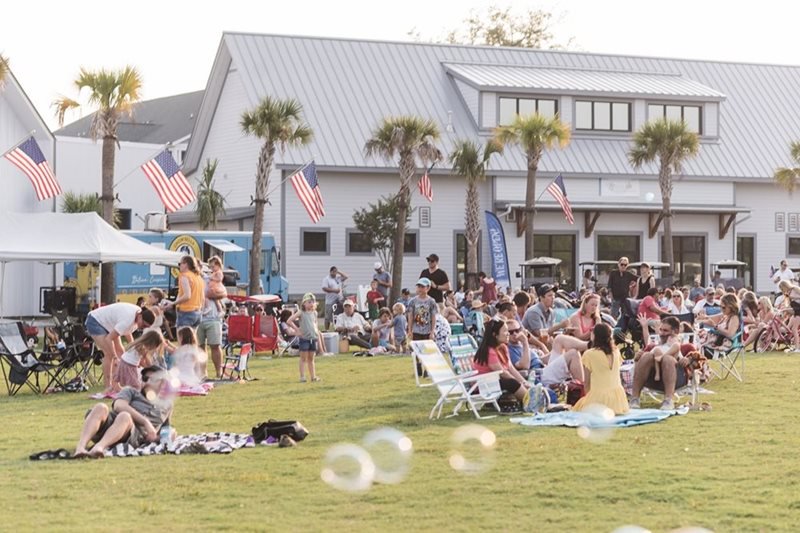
(449, 128)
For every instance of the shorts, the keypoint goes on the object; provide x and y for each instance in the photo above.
(135, 438)
(556, 372)
(93, 327)
(188, 319)
(307, 345)
(383, 343)
(680, 379)
(328, 313)
(509, 386)
(209, 332)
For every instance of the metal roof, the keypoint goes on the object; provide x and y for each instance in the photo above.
(570, 81)
(347, 87)
(619, 207)
(156, 121)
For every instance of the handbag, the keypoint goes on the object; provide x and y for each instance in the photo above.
(275, 428)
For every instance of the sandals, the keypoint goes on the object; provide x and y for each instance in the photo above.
(47, 455)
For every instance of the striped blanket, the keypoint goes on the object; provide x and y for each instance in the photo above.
(200, 443)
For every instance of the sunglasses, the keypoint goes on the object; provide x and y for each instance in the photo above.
(623, 264)
(514, 331)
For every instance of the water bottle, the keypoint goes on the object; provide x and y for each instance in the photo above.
(61, 346)
(165, 436)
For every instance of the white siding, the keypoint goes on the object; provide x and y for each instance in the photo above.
(354, 191)
(21, 281)
(711, 112)
(489, 110)
(471, 97)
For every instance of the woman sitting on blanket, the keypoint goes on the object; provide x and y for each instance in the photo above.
(492, 355)
(725, 325)
(583, 322)
(601, 370)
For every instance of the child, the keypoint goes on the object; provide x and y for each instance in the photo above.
(305, 321)
(383, 331)
(421, 314)
(375, 299)
(215, 290)
(138, 354)
(400, 325)
(189, 360)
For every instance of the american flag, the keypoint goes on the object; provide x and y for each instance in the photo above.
(306, 186)
(557, 190)
(169, 182)
(28, 157)
(425, 188)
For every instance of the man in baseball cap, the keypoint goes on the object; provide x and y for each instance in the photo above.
(438, 278)
(384, 280)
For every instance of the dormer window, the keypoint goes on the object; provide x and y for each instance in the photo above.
(602, 116)
(688, 113)
(511, 107)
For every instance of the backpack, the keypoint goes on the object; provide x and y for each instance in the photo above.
(274, 428)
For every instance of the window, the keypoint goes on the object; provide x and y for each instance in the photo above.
(688, 113)
(124, 217)
(602, 116)
(357, 243)
(690, 258)
(411, 244)
(612, 247)
(460, 267)
(745, 252)
(511, 107)
(793, 246)
(561, 247)
(314, 241)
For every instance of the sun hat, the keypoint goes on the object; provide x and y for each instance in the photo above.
(477, 304)
(377, 265)
(425, 282)
(309, 296)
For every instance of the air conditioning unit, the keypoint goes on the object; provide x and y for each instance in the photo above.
(511, 216)
(155, 222)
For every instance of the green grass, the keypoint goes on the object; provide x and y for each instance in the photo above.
(731, 469)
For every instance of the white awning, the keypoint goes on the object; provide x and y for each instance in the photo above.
(224, 246)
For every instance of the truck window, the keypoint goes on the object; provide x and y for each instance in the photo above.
(276, 265)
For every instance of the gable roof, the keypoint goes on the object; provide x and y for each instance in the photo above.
(347, 86)
(27, 114)
(156, 121)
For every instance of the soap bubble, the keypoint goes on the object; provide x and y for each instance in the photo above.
(649, 197)
(472, 449)
(348, 467)
(599, 428)
(391, 452)
(631, 529)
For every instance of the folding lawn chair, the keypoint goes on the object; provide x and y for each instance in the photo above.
(472, 389)
(234, 366)
(462, 352)
(265, 333)
(23, 365)
(728, 359)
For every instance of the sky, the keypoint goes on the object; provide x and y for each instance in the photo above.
(173, 43)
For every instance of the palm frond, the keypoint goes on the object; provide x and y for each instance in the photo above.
(669, 141)
(534, 133)
(395, 135)
(787, 178)
(62, 104)
(795, 151)
(277, 121)
(4, 69)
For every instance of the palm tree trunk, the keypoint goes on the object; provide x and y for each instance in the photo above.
(407, 170)
(665, 183)
(265, 158)
(530, 202)
(472, 231)
(108, 282)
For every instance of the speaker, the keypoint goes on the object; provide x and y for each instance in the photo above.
(54, 299)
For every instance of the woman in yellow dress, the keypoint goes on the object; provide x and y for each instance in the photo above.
(601, 363)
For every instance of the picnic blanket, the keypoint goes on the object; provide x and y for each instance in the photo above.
(200, 443)
(573, 419)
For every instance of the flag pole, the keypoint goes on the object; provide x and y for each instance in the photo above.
(30, 134)
(138, 167)
(284, 180)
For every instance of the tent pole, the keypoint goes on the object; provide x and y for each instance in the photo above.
(2, 285)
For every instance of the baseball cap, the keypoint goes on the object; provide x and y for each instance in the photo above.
(544, 289)
(432, 257)
(377, 265)
(647, 265)
(425, 282)
(309, 296)
(710, 290)
(348, 303)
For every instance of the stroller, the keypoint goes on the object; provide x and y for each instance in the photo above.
(627, 330)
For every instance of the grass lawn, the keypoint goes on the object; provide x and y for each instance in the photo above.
(731, 469)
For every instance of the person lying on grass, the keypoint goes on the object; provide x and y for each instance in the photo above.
(135, 417)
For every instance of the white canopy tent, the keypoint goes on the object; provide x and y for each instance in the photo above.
(59, 237)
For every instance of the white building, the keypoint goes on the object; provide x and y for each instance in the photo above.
(18, 118)
(154, 125)
(726, 205)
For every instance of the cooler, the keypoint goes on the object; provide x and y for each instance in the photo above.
(331, 342)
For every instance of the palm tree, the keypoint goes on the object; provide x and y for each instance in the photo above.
(278, 124)
(408, 138)
(671, 142)
(3, 69)
(534, 134)
(113, 92)
(470, 162)
(788, 177)
(85, 203)
(210, 202)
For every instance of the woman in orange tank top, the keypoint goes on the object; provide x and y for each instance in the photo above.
(191, 290)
